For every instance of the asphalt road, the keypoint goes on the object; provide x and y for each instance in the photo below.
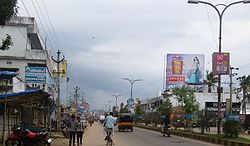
(93, 136)
(141, 137)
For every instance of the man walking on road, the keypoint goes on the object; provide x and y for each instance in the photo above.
(72, 130)
(80, 130)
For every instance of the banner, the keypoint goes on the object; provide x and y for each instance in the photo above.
(131, 105)
(185, 69)
(221, 63)
(63, 68)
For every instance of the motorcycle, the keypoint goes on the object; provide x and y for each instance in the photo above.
(25, 137)
(14, 138)
(36, 139)
(165, 130)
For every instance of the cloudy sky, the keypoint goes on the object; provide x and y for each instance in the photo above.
(105, 40)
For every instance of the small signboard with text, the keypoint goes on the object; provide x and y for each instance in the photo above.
(232, 117)
(35, 74)
(221, 63)
(213, 106)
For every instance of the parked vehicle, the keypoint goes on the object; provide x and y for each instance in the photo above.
(25, 137)
(15, 138)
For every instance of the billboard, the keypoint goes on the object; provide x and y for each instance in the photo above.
(131, 105)
(185, 69)
(35, 74)
(221, 63)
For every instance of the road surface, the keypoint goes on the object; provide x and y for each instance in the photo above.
(94, 137)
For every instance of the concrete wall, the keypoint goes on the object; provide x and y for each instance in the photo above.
(19, 38)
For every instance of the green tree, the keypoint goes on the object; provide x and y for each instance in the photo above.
(186, 99)
(138, 112)
(165, 107)
(245, 84)
(211, 81)
(123, 109)
(244, 87)
(8, 9)
(6, 43)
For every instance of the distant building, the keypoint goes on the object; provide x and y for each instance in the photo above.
(151, 104)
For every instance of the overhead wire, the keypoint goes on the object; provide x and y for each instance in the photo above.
(46, 23)
(46, 11)
(39, 18)
(210, 24)
(37, 29)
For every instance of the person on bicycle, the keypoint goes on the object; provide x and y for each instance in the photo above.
(109, 123)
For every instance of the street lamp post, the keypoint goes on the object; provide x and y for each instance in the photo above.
(132, 83)
(116, 96)
(220, 13)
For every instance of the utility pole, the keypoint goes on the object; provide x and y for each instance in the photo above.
(58, 61)
(76, 99)
(231, 74)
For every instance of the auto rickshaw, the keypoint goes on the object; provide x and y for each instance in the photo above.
(125, 122)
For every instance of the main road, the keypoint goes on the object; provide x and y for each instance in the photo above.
(93, 136)
(142, 137)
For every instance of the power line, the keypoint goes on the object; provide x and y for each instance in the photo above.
(210, 24)
(45, 22)
(51, 25)
(37, 29)
(42, 24)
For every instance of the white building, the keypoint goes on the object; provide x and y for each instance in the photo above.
(28, 56)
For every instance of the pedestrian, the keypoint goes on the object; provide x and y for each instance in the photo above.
(72, 129)
(80, 130)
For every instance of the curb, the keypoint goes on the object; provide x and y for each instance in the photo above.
(198, 137)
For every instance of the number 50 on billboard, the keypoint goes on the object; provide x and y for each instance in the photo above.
(221, 63)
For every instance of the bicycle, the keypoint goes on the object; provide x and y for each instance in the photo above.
(109, 138)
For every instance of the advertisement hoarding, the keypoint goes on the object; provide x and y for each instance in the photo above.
(221, 63)
(185, 69)
(35, 74)
(131, 105)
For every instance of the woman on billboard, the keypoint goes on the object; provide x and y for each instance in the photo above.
(195, 74)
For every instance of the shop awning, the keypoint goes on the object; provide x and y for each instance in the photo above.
(7, 74)
(27, 97)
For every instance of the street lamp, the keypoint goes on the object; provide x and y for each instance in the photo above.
(131, 82)
(116, 96)
(220, 13)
